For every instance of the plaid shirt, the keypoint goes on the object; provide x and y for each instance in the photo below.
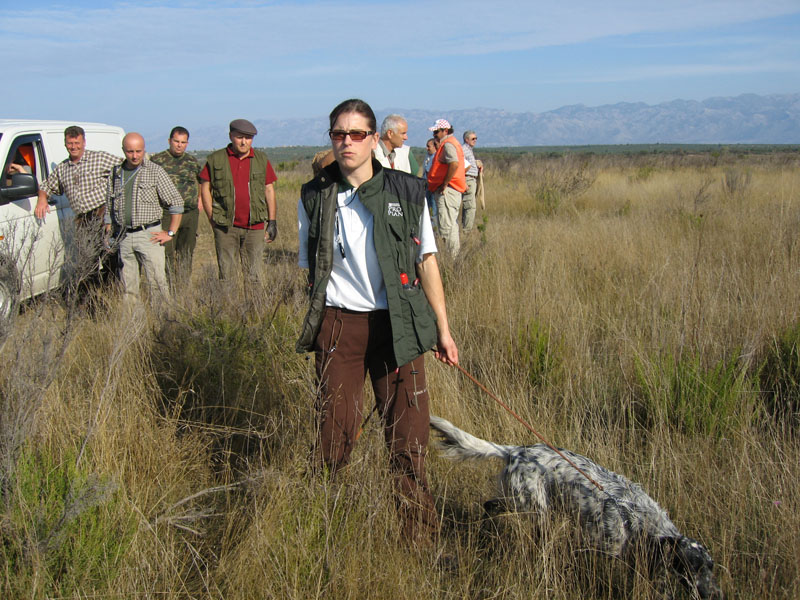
(470, 157)
(85, 182)
(152, 190)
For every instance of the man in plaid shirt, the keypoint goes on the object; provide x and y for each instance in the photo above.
(83, 177)
(138, 191)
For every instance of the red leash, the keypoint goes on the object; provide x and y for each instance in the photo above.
(528, 427)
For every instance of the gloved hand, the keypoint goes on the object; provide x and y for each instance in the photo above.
(272, 230)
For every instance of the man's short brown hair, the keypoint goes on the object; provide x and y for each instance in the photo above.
(74, 131)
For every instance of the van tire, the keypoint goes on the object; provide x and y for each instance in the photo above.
(9, 295)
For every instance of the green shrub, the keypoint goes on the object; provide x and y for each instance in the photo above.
(779, 377)
(63, 530)
(642, 174)
(682, 393)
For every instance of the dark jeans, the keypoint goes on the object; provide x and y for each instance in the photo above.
(348, 346)
(180, 250)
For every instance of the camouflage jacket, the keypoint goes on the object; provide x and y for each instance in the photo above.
(183, 171)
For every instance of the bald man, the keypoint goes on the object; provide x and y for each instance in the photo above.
(139, 191)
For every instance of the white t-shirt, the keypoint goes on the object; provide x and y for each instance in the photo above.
(356, 281)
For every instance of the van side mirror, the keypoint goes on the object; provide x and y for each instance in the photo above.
(23, 185)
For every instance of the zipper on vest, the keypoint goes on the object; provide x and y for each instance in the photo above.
(413, 250)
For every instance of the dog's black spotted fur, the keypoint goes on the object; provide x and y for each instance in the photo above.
(536, 479)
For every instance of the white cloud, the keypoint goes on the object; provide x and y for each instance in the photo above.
(171, 35)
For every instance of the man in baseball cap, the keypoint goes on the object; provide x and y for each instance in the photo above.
(447, 180)
(242, 216)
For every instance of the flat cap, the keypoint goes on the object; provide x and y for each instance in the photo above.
(243, 126)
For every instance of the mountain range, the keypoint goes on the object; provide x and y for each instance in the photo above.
(745, 119)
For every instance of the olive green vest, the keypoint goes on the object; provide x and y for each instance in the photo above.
(223, 193)
(396, 201)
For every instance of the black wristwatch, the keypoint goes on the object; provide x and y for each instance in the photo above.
(170, 233)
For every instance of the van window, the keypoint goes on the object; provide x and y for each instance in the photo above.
(24, 156)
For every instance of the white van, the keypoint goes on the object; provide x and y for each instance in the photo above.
(32, 250)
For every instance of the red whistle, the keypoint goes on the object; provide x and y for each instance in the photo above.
(404, 278)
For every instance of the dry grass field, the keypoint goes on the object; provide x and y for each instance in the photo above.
(641, 310)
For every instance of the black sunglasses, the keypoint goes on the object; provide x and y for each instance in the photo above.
(338, 135)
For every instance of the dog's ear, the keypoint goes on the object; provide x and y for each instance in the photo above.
(695, 567)
(691, 556)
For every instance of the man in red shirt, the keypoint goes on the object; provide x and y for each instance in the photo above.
(238, 194)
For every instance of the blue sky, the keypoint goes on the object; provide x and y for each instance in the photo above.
(151, 64)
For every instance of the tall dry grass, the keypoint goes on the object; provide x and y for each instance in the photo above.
(639, 310)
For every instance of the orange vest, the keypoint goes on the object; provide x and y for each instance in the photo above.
(439, 169)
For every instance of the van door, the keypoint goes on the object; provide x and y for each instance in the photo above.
(37, 247)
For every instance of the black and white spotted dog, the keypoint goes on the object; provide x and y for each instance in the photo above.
(616, 520)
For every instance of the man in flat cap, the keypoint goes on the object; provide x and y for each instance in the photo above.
(238, 194)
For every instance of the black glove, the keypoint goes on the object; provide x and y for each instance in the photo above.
(272, 230)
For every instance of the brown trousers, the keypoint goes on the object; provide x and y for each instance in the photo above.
(348, 346)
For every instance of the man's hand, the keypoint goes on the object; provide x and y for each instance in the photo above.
(42, 208)
(160, 237)
(272, 231)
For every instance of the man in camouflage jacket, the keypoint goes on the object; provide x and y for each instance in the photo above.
(183, 170)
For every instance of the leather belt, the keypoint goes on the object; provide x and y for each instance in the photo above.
(142, 227)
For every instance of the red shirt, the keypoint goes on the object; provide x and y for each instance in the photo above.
(240, 169)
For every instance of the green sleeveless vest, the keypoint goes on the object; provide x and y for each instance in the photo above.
(396, 201)
(222, 189)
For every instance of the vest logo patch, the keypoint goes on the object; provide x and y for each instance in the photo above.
(395, 210)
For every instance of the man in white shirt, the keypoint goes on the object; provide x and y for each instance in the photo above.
(391, 151)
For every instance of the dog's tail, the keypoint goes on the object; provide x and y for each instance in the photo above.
(461, 445)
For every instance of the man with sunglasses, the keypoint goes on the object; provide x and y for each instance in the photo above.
(238, 194)
(447, 181)
(468, 204)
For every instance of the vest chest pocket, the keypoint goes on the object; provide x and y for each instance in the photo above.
(406, 249)
(218, 176)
